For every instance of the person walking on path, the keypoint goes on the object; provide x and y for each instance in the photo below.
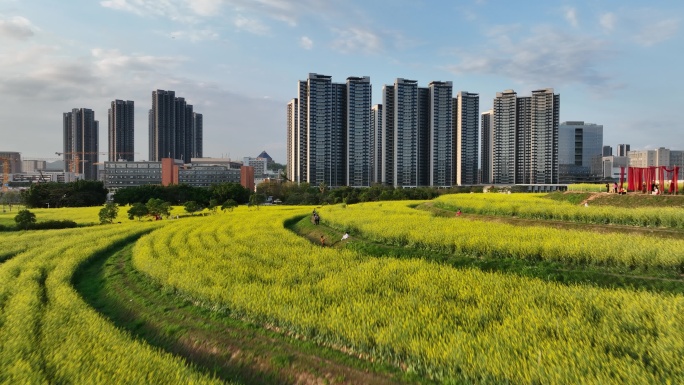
(322, 241)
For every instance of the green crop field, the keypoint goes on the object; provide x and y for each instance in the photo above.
(405, 309)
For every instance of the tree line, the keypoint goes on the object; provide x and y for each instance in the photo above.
(182, 193)
(305, 194)
(92, 193)
(81, 193)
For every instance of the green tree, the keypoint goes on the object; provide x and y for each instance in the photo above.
(224, 191)
(158, 207)
(213, 205)
(192, 207)
(138, 210)
(229, 205)
(109, 213)
(8, 199)
(81, 193)
(275, 166)
(25, 219)
(256, 200)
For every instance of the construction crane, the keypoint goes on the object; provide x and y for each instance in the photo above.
(5, 173)
(42, 177)
(74, 163)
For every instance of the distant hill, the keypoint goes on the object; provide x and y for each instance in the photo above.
(57, 165)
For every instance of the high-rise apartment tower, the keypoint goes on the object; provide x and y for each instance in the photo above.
(486, 141)
(175, 130)
(467, 113)
(121, 130)
(525, 139)
(81, 132)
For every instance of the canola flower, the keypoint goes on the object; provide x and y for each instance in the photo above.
(448, 324)
(48, 334)
(535, 206)
(398, 224)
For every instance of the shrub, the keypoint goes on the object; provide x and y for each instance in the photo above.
(24, 219)
(52, 225)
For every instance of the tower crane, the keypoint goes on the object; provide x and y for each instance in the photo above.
(74, 162)
(5, 173)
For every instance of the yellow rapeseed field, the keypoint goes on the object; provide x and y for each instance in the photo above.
(535, 206)
(48, 334)
(449, 324)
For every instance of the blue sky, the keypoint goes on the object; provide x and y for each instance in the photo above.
(238, 61)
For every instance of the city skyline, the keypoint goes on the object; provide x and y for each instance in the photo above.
(237, 61)
(422, 135)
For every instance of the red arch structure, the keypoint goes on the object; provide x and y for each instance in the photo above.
(643, 178)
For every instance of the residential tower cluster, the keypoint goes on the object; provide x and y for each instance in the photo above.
(419, 136)
(175, 131)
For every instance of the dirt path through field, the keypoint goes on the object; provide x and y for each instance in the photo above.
(566, 225)
(228, 348)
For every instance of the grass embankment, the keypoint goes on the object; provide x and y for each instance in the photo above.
(84, 216)
(224, 347)
(605, 277)
(631, 200)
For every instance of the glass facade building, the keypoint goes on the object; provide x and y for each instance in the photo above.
(579, 145)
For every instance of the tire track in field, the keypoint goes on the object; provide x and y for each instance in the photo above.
(228, 348)
(558, 224)
(557, 273)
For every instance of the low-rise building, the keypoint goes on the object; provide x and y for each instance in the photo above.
(612, 166)
(204, 175)
(260, 166)
(131, 174)
(33, 165)
(169, 171)
(649, 158)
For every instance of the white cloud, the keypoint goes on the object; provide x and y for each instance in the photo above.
(571, 16)
(16, 27)
(194, 35)
(608, 21)
(205, 7)
(290, 11)
(251, 25)
(52, 73)
(354, 40)
(51, 80)
(306, 43)
(643, 26)
(657, 32)
(192, 11)
(175, 10)
(110, 62)
(121, 5)
(545, 58)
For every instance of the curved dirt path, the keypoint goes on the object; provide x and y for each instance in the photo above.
(216, 343)
(558, 224)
